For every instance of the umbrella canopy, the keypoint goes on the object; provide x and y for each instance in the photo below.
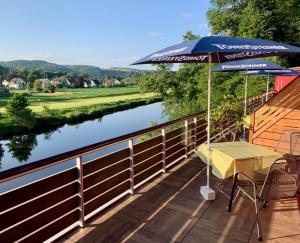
(221, 49)
(282, 72)
(217, 49)
(247, 64)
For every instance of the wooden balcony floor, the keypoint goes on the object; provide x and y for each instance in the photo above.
(171, 209)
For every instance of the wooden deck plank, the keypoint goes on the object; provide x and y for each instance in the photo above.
(170, 208)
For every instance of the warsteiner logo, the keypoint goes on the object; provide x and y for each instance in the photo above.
(175, 51)
(249, 47)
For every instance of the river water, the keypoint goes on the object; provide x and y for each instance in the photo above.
(20, 150)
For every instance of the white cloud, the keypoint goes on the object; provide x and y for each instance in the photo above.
(186, 15)
(154, 34)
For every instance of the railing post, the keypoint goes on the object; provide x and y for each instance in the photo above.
(186, 137)
(80, 191)
(131, 165)
(163, 138)
(195, 133)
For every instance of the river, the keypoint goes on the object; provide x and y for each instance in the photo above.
(25, 149)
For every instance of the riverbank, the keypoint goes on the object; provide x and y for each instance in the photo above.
(51, 119)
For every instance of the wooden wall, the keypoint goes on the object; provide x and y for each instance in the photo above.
(281, 113)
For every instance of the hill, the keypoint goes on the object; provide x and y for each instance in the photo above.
(92, 71)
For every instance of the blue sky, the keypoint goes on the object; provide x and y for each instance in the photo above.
(104, 33)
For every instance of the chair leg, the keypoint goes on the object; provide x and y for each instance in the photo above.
(232, 193)
(258, 222)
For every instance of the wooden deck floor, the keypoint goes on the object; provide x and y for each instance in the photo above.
(171, 209)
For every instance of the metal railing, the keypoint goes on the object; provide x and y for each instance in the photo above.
(48, 207)
(255, 102)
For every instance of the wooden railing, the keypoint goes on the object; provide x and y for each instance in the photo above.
(46, 208)
(255, 102)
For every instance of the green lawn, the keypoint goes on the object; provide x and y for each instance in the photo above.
(71, 98)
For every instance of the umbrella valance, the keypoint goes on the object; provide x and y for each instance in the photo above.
(221, 48)
(246, 64)
(282, 72)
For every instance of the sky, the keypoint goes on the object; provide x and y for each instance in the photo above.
(104, 33)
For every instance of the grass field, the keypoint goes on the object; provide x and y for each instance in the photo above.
(72, 98)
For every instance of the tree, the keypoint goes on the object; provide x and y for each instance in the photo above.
(228, 115)
(18, 112)
(30, 86)
(21, 146)
(22, 73)
(34, 75)
(268, 19)
(38, 85)
(50, 88)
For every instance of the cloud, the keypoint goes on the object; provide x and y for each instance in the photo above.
(154, 34)
(186, 15)
(202, 26)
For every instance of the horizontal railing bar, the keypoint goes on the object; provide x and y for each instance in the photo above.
(32, 182)
(56, 159)
(167, 140)
(118, 162)
(143, 161)
(43, 227)
(40, 212)
(147, 149)
(85, 203)
(105, 180)
(175, 153)
(40, 196)
(167, 149)
(147, 168)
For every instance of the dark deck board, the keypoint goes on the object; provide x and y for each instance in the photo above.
(171, 209)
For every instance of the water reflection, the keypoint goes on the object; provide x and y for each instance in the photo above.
(1, 155)
(20, 147)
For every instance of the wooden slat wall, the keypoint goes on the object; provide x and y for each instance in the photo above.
(281, 113)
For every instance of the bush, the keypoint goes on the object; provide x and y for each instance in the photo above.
(38, 85)
(18, 112)
(29, 86)
(50, 88)
(230, 112)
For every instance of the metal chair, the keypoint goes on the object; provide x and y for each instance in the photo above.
(281, 181)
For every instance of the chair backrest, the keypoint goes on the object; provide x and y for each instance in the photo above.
(283, 179)
(289, 142)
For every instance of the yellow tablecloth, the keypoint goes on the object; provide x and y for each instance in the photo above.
(230, 157)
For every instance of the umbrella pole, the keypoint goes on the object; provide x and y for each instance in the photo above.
(206, 191)
(245, 105)
(267, 88)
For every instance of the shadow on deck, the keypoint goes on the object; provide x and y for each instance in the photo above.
(171, 209)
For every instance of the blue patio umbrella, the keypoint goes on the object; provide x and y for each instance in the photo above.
(217, 49)
(247, 64)
(270, 72)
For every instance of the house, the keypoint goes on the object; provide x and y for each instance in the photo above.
(56, 81)
(96, 83)
(70, 82)
(86, 83)
(5, 83)
(44, 82)
(15, 83)
(116, 82)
